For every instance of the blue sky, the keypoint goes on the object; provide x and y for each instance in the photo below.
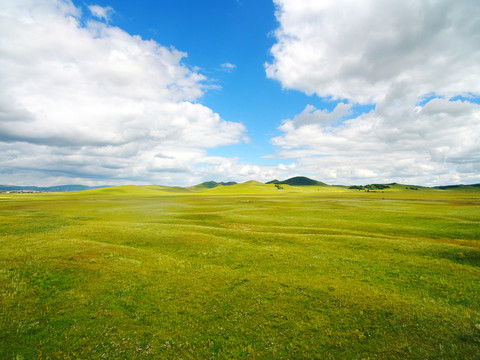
(180, 92)
(220, 32)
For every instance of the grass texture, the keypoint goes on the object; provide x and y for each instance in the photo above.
(240, 272)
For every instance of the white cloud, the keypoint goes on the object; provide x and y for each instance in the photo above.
(310, 115)
(101, 12)
(228, 67)
(410, 59)
(417, 144)
(363, 50)
(94, 102)
(223, 169)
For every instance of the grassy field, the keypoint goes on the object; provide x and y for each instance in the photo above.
(240, 272)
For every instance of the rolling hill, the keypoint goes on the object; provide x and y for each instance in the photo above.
(298, 181)
(211, 185)
(471, 187)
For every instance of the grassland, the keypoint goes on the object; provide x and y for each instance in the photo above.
(244, 271)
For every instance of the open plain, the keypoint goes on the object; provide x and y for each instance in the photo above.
(242, 271)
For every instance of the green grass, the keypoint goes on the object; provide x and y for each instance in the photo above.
(240, 271)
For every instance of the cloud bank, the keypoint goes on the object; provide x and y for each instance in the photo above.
(418, 62)
(84, 100)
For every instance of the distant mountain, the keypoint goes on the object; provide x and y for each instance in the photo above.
(213, 184)
(59, 188)
(298, 181)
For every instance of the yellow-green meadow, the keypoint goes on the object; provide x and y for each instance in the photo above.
(239, 272)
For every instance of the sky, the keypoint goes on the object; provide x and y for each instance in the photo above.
(177, 92)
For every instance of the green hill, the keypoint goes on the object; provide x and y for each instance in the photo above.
(472, 187)
(138, 190)
(388, 187)
(298, 181)
(211, 185)
(248, 187)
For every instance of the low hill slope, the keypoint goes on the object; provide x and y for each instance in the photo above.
(249, 187)
(472, 187)
(388, 187)
(258, 188)
(211, 185)
(137, 190)
(298, 181)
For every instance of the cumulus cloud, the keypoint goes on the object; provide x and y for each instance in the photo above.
(84, 100)
(313, 116)
(360, 51)
(222, 168)
(410, 59)
(423, 144)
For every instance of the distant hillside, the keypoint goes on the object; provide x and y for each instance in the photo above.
(370, 187)
(212, 184)
(459, 187)
(391, 186)
(59, 188)
(138, 190)
(248, 187)
(233, 187)
(298, 181)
